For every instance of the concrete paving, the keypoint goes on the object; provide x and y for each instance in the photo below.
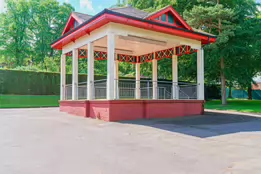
(45, 141)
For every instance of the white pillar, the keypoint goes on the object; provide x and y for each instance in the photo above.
(110, 66)
(154, 78)
(90, 79)
(175, 87)
(63, 77)
(137, 81)
(200, 74)
(116, 81)
(75, 74)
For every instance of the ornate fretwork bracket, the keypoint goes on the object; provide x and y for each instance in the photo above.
(162, 54)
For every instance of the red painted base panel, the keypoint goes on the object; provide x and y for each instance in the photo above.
(119, 110)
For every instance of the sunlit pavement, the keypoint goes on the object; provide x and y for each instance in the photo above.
(46, 141)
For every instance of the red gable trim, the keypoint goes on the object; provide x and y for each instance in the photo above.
(70, 22)
(174, 12)
(105, 18)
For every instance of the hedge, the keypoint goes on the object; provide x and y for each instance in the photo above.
(34, 83)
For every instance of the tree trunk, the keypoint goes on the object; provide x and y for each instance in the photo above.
(222, 68)
(223, 83)
(249, 91)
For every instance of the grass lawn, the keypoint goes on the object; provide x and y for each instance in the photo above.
(27, 101)
(236, 105)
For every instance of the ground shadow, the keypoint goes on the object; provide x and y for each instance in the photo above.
(208, 125)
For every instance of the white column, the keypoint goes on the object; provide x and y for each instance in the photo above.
(63, 77)
(75, 74)
(175, 87)
(200, 74)
(110, 66)
(154, 78)
(137, 81)
(90, 79)
(116, 81)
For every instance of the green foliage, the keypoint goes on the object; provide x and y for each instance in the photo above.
(206, 18)
(27, 68)
(244, 52)
(14, 35)
(238, 32)
(48, 20)
(28, 27)
(152, 5)
(34, 83)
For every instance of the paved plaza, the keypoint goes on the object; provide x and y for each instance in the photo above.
(46, 141)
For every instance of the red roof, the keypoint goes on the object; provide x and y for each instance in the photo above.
(133, 17)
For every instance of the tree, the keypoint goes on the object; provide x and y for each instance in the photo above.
(217, 19)
(235, 39)
(48, 20)
(152, 5)
(120, 3)
(245, 54)
(14, 36)
(28, 27)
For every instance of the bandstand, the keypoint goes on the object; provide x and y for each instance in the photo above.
(130, 35)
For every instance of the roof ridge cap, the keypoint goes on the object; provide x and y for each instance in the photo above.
(82, 13)
(117, 8)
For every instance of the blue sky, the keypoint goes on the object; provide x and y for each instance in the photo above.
(90, 6)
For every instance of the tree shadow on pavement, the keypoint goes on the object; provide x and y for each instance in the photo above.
(204, 126)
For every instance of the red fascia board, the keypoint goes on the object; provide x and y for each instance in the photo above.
(176, 14)
(106, 18)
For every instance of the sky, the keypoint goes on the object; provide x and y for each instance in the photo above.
(90, 6)
(2, 4)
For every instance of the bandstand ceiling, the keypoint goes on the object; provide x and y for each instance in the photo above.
(133, 45)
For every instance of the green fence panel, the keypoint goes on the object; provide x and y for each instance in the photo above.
(256, 94)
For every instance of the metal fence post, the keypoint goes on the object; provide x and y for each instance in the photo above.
(164, 93)
(148, 90)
